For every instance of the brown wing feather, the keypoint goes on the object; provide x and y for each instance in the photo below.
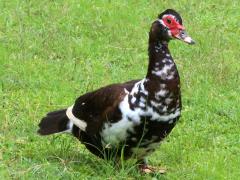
(101, 105)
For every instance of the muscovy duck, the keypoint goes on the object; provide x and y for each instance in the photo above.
(132, 117)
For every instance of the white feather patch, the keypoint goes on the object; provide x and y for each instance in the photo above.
(78, 122)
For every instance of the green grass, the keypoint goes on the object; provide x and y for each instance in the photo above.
(53, 51)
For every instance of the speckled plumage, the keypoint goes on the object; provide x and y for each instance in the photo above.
(136, 115)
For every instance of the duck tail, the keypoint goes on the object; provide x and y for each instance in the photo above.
(55, 122)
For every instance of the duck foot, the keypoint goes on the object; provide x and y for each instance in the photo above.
(146, 169)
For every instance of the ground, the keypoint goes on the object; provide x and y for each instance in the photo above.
(53, 51)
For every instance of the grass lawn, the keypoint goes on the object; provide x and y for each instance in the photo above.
(53, 51)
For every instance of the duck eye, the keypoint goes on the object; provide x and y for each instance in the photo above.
(169, 21)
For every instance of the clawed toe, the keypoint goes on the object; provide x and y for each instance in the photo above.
(146, 169)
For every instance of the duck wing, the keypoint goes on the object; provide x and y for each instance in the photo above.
(92, 109)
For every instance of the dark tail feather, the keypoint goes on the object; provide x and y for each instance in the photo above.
(54, 122)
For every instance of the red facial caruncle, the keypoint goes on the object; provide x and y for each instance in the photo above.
(174, 26)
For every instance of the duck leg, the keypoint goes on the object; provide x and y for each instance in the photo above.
(147, 169)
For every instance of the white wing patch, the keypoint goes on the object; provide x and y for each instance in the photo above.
(78, 122)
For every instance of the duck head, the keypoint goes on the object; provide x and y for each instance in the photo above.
(169, 26)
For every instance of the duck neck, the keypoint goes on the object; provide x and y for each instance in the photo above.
(162, 82)
(160, 60)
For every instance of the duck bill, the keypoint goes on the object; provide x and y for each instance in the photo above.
(183, 36)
